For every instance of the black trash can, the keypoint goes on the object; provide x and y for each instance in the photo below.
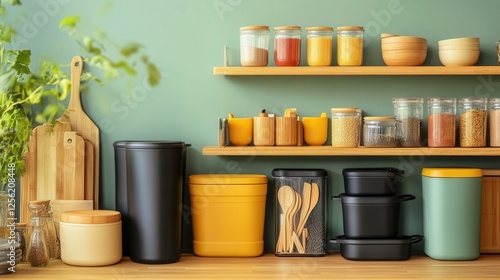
(155, 172)
(121, 191)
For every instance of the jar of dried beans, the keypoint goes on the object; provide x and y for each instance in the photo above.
(441, 122)
(350, 45)
(473, 121)
(254, 45)
(346, 127)
(495, 122)
(379, 132)
(287, 45)
(319, 46)
(409, 113)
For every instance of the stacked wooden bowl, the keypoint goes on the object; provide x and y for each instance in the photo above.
(459, 51)
(403, 50)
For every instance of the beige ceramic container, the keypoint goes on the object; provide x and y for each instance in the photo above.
(91, 237)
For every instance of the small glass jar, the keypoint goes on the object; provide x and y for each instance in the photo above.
(473, 114)
(379, 132)
(409, 113)
(498, 51)
(287, 45)
(494, 122)
(319, 46)
(41, 209)
(21, 235)
(350, 45)
(441, 122)
(254, 45)
(38, 247)
(346, 127)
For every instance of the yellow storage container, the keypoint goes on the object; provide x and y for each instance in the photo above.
(228, 213)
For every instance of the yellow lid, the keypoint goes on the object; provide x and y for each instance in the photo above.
(288, 27)
(452, 172)
(255, 27)
(319, 28)
(227, 179)
(350, 28)
(91, 216)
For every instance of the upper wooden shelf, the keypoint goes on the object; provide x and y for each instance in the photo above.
(356, 70)
(331, 151)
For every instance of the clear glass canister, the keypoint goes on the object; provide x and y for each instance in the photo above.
(350, 45)
(473, 114)
(495, 122)
(409, 113)
(21, 236)
(254, 45)
(287, 45)
(441, 122)
(498, 51)
(379, 132)
(346, 127)
(319, 46)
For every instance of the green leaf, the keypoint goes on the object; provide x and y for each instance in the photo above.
(69, 22)
(89, 45)
(130, 49)
(6, 33)
(154, 75)
(65, 86)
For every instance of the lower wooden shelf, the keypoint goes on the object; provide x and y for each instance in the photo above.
(269, 266)
(331, 151)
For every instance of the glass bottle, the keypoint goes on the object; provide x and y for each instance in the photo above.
(350, 45)
(441, 122)
(38, 249)
(319, 45)
(473, 121)
(494, 122)
(287, 40)
(346, 127)
(20, 233)
(254, 45)
(498, 51)
(409, 113)
(379, 132)
(41, 208)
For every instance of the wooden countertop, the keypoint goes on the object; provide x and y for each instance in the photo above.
(269, 266)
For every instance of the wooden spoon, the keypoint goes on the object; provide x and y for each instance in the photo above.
(286, 200)
(306, 200)
(292, 220)
(313, 202)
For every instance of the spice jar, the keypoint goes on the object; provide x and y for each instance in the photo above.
(379, 132)
(287, 45)
(254, 45)
(495, 122)
(350, 45)
(319, 46)
(38, 247)
(346, 127)
(473, 121)
(409, 113)
(20, 235)
(441, 122)
(41, 208)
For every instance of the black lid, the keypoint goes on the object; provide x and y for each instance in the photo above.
(120, 144)
(389, 199)
(153, 144)
(294, 172)
(372, 172)
(397, 240)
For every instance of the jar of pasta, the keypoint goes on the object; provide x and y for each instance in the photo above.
(319, 45)
(350, 45)
(287, 45)
(254, 45)
(473, 121)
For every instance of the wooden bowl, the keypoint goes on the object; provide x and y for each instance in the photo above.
(458, 57)
(459, 41)
(404, 57)
(404, 39)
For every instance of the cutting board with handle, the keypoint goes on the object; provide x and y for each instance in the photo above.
(72, 170)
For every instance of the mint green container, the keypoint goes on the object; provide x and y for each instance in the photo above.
(452, 212)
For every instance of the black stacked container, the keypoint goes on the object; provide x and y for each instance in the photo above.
(370, 208)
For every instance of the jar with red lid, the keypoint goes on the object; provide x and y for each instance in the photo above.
(287, 40)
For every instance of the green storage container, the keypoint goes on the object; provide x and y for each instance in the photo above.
(452, 212)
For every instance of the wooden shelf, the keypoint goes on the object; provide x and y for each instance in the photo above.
(331, 151)
(357, 71)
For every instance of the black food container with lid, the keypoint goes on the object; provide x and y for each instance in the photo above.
(379, 181)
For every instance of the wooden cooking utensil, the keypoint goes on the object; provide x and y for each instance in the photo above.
(292, 220)
(73, 169)
(313, 201)
(306, 201)
(286, 201)
(81, 122)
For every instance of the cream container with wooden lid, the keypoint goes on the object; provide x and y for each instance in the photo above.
(91, 237)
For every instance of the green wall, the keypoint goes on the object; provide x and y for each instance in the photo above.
(186, 39)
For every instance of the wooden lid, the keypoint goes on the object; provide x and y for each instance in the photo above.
(288, 27)
(344, 110)
(319, 28)
(350, 28)
(255, 27)
(91, 216)
(380, 118)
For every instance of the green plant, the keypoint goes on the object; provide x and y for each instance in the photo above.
(29, 97)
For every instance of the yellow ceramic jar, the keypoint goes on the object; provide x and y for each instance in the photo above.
(319, 46)
(350, 45)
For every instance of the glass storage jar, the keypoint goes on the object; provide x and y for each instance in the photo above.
(346, 127)
(42, 210)
(350, 45)
(379, 132)
(21, 236)
(287, 45)
(38, 247)
(254, 45)
(495, 122)
(409, 113)
(498, 51)
(473, 121)
(319, 45)
(441, 122)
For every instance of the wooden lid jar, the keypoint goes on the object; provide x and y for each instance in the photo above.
(91, 237)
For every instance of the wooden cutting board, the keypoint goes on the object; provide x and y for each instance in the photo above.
(72, 170)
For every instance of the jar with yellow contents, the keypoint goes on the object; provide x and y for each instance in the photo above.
(350, 45)
(319, 45)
